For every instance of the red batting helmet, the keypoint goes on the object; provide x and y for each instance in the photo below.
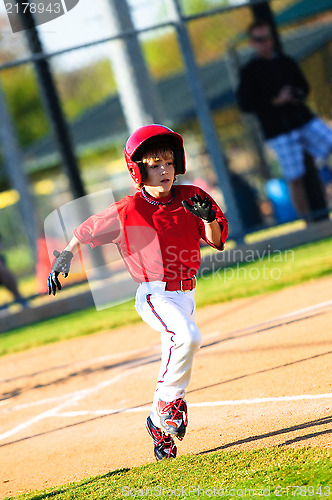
(151, 135)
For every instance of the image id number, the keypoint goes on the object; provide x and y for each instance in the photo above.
(302, 491)
(33, 8)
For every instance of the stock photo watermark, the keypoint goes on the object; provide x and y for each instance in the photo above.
(264, 265)
(109, 277)
(294, 491)
(43, 11)
(231, 265)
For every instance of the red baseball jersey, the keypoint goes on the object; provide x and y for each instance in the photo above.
(157, 238)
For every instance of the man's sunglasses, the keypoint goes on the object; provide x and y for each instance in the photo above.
(261, 39)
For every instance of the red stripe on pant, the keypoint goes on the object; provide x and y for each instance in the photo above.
(148, 298)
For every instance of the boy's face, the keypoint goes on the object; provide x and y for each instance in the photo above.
(160, 171)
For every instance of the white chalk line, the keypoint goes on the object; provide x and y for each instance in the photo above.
(134, 364)
(278, 399)
(284, 317)
(320, 305)
(70, 395)
(56, 411)
(293, 314)
(94, 361)
(73, 398)
(156, 347)
(70, 399)
(235, 402)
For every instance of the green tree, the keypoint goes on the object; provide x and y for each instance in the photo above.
(22, 94)
(85, 87)
(20, 89)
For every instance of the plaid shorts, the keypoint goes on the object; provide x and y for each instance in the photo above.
(315, 138)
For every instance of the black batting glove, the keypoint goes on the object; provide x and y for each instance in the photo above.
(61, 265)
(200, 208)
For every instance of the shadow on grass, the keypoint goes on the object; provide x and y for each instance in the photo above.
(75, 486)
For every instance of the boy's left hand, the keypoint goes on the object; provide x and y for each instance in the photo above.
(200, 208)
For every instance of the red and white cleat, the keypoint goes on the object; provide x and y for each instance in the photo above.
(173, 417)
(164, 446)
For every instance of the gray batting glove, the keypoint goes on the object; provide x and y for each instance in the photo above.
(61, 265)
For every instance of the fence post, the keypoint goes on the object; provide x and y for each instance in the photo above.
(52, 103)
(136, 89)
(57, 119)
(206, 121)
(13, 164)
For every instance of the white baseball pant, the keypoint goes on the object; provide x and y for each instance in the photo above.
(173, 315)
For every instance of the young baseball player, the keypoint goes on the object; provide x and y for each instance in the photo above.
(157, 232)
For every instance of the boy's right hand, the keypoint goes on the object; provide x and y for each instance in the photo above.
(61, 265)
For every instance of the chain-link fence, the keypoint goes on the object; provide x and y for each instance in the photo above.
(89, 87)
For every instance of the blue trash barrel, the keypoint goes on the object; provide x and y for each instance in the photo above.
(278, 193)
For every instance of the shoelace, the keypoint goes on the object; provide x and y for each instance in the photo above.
(160, 438)
(163, 440)
(174, 408)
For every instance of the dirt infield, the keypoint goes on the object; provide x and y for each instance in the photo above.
(261, 378)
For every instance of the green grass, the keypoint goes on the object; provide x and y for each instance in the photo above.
(277, 271)
(68, 326)
(263, 473)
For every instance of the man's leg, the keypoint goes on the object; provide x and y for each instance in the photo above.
(299, 196)
(289, 150)
(317, 140)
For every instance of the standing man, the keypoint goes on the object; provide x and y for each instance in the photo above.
(273, 87)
